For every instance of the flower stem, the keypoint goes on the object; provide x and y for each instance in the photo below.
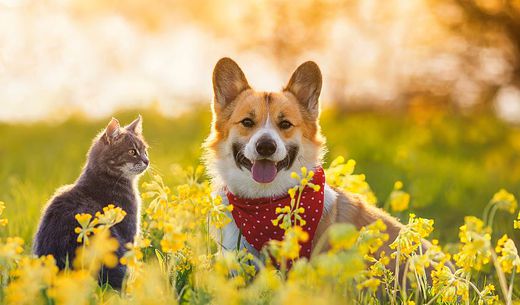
(501, 275)
(403, 285)
(492, 217)
(486, 211)
(396, 281)
(510, 292)
(468, 276)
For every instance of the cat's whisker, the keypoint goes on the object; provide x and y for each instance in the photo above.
(153, 170)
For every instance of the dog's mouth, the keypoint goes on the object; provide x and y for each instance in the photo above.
(264, 170)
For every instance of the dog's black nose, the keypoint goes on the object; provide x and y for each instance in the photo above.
(265, 147)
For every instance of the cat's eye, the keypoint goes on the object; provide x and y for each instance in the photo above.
(285, 125)
(132, 152)
(247, 122)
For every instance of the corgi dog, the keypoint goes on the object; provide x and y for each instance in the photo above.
(257, 140)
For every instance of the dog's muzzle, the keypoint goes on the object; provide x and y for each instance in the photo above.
(263, 169)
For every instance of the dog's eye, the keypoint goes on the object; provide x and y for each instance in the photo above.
(247, 123)
(132, 152)
(285, 125)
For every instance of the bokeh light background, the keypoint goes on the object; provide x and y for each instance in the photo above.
(61, 57)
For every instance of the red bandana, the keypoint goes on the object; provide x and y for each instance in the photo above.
(254, 216)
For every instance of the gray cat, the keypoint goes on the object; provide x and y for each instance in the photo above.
(114, 162)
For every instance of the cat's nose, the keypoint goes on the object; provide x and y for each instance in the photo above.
(145, 160)
(265, 146)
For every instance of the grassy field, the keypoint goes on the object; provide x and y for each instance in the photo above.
(451, 165)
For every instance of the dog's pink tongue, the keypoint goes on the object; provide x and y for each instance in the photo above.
(264, 171)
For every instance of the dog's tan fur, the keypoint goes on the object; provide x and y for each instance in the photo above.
(350, 208)
(298, 103)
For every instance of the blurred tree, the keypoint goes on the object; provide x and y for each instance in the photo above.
(493, 26)
(384, 53)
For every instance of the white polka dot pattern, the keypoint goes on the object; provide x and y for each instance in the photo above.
(254, 216)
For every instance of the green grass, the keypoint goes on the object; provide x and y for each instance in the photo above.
(451, 164)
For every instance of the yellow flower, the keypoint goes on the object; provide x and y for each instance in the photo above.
(377, 266)
(292, 191)
(183, 191)
(29, 279)
(289, 247)
(134, 254)
(371, 237)
(411, 235)
(173, 239)
(291, 214)
(508, 258)
(238, 263)
(338, 268)
(83, 219)
(342, 236)
(516, 222)
(101, 251)
(86, 229)
(184, 259)
(218, 213)
(448, 285)
(487, 296)
(72, 288)
(341, 175)
(419, 264)
(399, 200)
(371, 283)
(476, 241)
(435, 253)
(12, 248)
(146, 285)
(504, 200)
(111, 215)
(304, 180)
(190, 267)
(398, 185)
(472, 224)
(3, 221)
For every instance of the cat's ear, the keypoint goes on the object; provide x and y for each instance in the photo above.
(136, 126)
(112, 131)
(305, 85)
(228, 82)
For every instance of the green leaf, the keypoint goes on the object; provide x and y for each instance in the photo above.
(160, 258)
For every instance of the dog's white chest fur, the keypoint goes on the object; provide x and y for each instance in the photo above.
(231, 238)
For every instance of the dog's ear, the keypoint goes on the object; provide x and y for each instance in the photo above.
(305, 85)
(228, 82)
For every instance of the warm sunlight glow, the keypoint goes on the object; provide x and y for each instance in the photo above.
(61, 57)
